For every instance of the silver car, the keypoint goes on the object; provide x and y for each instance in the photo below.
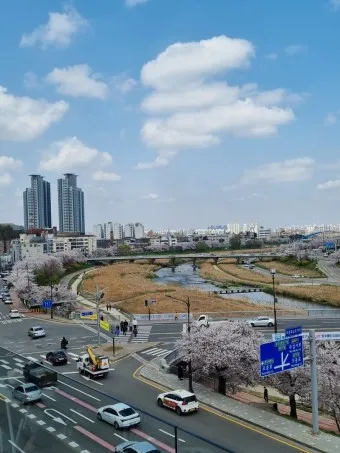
(27, 393)
(36, 332)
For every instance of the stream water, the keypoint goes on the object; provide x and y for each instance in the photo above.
(185, 275)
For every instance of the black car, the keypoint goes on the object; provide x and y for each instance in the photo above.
(57, 358)
(39, 375)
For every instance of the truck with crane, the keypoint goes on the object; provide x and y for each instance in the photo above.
(93, 364)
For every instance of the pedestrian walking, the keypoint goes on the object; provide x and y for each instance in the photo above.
(121, 326)
(265, 394)
(180, 372)
(134, 323)
(117, 331)
(126, 325)
(107, 307)
(135, 331)
(176, 316)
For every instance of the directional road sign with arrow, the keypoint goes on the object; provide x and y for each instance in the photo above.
(282, 355)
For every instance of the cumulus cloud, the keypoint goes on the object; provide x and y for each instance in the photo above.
(333, 184)
(59, 31)
(299, 169)
(105, 176)
(78, 81)
(124, 84)
(5, 179)
(331, 119)
(72, 154)
(9, 163)
(295, 49)
(24, 118)
(190, 108)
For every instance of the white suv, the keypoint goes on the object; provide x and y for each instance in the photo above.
(36, 332)
(14, 314)
(180, 401)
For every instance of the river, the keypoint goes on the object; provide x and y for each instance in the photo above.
(185, 275)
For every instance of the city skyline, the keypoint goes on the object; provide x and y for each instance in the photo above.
(216, 113)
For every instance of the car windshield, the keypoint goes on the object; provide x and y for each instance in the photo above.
(190, 399)
(59, 354)
(126, 412)
(38, 329)
(32, 388)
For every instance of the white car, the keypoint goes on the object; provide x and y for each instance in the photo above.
(262, 321)
(119, 415)
(180, 401)
(36, 332)
(8, 301)
(296, 276)
(14, 314)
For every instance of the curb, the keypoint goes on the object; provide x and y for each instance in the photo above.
(284, 436)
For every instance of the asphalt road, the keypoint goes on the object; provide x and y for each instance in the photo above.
(75, 401)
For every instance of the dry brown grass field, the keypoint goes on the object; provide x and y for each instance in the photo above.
(323, 294)
(130, 284)
(290, 269)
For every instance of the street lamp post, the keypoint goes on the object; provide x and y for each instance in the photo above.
(56, 289)
(187, 303)
(273, 272)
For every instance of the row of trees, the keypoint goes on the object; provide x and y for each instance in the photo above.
(35, 277)
(229, 352)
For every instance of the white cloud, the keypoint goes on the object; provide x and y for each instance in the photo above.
(299, 169)
(9, 163)
(184, 63)
(124, 84)
(24, 118)
(132, 3)
(59, 30)
(331, 119)
(329, 185)
(271, 56)
(161, 161)
(5, 179)
(150, 196)
(295, 48)
(105, 176)
(200, 108)
(78, 81)
(30, 80)
(71, 154)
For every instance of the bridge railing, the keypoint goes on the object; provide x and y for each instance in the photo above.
(324, 312)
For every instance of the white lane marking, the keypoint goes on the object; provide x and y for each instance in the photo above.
(4, 361)
(18, 370)
(49, 397)
(18, 360)
(41, 422)
(50, 429)
(70, 372)
(81, 415)
(120, 437)
(74, 355)
(169, 434)
(84, 451)
(149, 350)
(80, 391)
(31, 416)
(23, 411)
(32, 359)
(16, 447)
(73, 444)
(7, 378)
(20, 365)
(15, 405)
(6, 367)
(61, 436)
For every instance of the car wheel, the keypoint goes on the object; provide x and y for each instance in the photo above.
(160, 402)
(178, 411)
(270, 324)
(252, 324)
(116, 425)
(99, 416)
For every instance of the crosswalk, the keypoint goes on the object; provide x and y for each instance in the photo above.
(156, 352)
(6, 320)
(122, 339)
(142, 335)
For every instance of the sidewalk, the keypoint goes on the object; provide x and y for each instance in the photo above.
(87, 303)
(242, 406)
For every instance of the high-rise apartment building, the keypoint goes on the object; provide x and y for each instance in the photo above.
(117, 231)
(108, 230)
(129, 230)
(98, 231)
(71, 205)
(37, 204)
(139, 230)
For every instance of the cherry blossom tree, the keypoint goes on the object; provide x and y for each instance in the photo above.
(328, 359)
(227, 351)
(70, 257)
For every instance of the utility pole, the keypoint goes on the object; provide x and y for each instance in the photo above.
(314, 380)
(273, 272)
(98, 313)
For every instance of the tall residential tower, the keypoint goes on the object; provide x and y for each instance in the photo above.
(71, 205)
(37, 204)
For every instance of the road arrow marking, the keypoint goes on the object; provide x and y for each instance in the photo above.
(58, 419)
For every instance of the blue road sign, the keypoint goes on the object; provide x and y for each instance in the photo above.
(293, 331)
(47, 303)
(87, 313)
(279, 356)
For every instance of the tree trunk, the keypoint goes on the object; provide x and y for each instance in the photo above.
(292, 402)
(336, 418)
(221, 385)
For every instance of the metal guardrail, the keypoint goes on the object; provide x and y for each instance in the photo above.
(324, 313)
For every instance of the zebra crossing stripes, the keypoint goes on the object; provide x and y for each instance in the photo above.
(10, 321)
(156, 352)
(142, 335)
(122, 339)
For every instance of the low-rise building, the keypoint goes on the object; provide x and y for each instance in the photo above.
(86, 243)
(32, 245)
(170, 241)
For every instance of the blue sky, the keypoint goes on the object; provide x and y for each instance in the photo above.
(175, 113)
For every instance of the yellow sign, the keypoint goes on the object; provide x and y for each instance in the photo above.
(89, 317)
(105, 325)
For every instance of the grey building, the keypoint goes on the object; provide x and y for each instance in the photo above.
(71, 205)
(37, 204)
